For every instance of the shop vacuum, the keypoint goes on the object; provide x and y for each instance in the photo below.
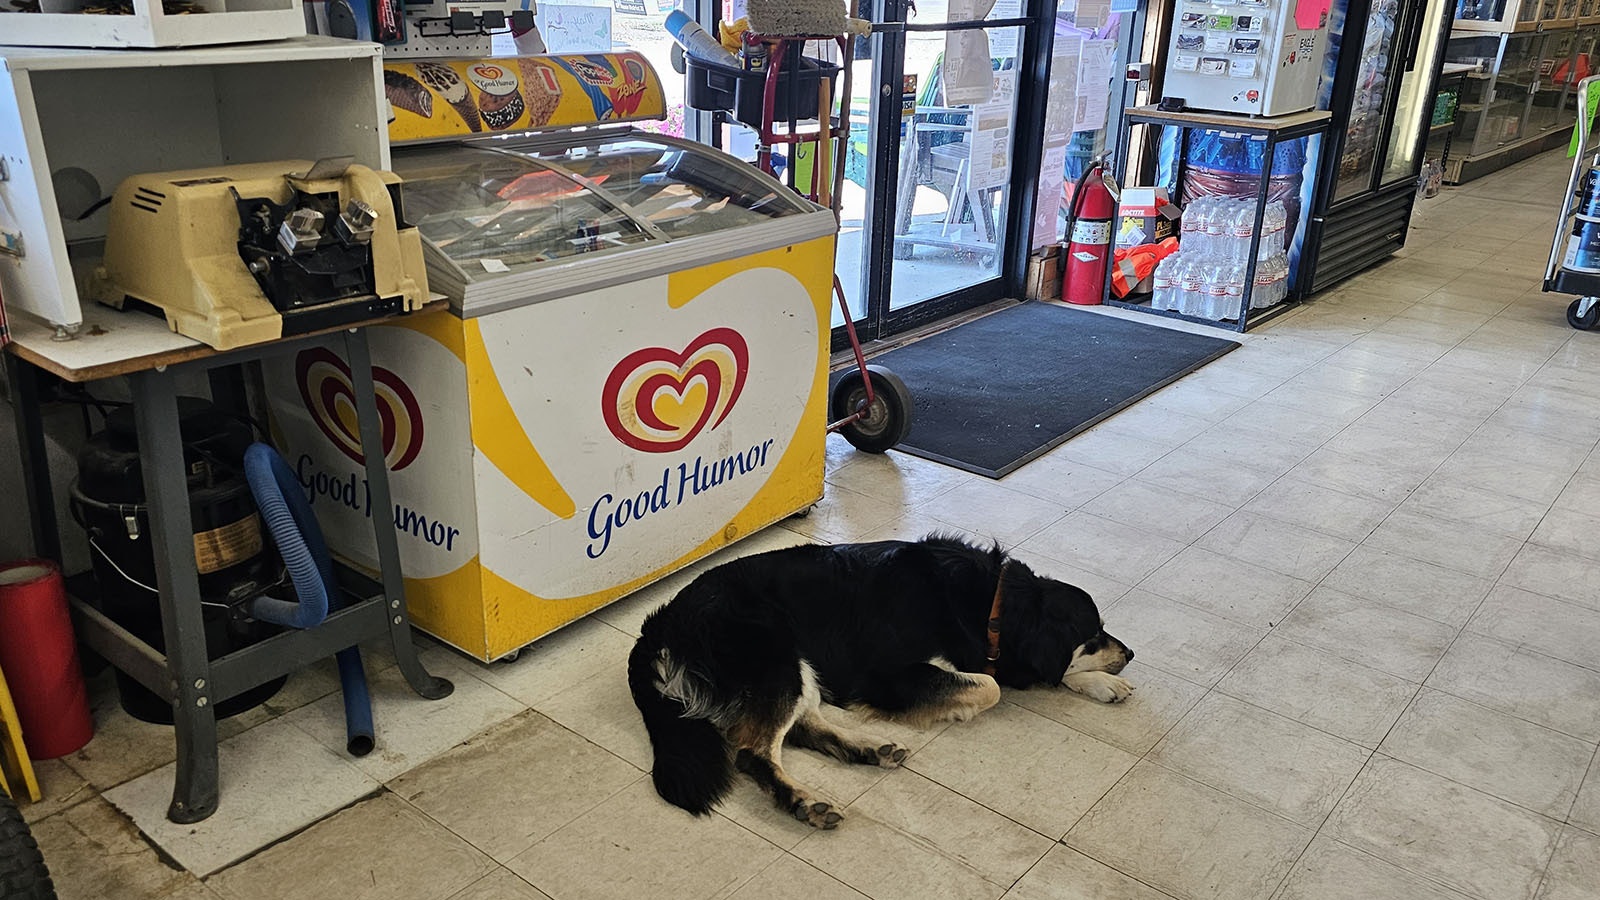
(234, 483)
(232, 557)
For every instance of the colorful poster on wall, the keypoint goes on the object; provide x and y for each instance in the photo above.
(434, 100)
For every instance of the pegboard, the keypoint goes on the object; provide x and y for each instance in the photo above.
(475, 46)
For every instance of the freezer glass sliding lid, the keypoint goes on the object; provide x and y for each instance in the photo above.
(498, 207)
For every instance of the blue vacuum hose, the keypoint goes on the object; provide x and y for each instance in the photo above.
(294, 529)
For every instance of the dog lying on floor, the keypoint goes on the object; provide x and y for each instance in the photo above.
(742, 659)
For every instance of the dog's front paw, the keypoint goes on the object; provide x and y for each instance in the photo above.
(1102, 686)
(891, 755)
(817, 814)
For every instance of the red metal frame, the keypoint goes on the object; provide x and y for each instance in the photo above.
(768, 137)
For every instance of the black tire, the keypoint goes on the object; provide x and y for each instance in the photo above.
(1587, 320)
(888, 420)
(22, 872)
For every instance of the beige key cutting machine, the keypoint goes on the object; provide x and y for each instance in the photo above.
(241, 254)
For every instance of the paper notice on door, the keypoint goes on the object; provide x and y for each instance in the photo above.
(968, 71)
(1003, 41)
(1092, 14)
(989, 165)
(1061, 107)
(1094, 84)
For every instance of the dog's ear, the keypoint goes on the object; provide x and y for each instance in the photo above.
(1040, 627)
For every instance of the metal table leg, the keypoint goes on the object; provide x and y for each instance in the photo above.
(394, 588)
(36, 484)
(194, 794)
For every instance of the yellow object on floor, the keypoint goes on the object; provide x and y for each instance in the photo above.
(14, 764)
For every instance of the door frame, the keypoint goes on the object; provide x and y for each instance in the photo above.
(883, 171)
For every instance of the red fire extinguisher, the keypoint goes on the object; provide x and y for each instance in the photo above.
(1094, 204)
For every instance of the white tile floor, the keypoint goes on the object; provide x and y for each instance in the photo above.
(1354, 557)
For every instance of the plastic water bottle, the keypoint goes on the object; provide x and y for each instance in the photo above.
(1215, 305)
(1234, 283)
(1280, 268)
(1217, 228)
(1274, 228)
(1161, 294)
(696, 41)
(1192, 297)
(1192, 228)
(1241, 230)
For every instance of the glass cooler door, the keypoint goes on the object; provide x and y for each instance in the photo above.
(493, 214)
(496, 208)
(675, 188)
(1369, 103)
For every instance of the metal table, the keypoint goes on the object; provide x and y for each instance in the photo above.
(140, 347)
(1275, 131)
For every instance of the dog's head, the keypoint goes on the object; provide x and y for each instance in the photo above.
(1049, 629)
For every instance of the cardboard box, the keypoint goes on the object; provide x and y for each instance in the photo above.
(1146, 215)
(1044, 273)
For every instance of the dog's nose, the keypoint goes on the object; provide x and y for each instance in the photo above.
(1129, 651)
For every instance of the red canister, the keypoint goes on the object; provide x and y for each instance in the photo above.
(40, 659)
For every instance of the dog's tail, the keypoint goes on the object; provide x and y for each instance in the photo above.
(692, 768)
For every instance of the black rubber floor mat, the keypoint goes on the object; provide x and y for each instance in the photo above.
(996, 392)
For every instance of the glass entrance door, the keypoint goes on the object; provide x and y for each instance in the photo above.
(928, 234)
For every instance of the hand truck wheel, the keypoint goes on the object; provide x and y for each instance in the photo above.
(1584, 313)
(887, 420)
(23, 875)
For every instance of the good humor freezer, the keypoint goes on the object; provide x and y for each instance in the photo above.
(632, 375)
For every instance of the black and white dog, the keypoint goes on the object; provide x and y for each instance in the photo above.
(742, 659)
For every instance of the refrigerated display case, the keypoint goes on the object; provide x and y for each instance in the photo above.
(1517, 100)
(632, 375)
(1383, 105)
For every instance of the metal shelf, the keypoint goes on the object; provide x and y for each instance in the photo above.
(1256, 316)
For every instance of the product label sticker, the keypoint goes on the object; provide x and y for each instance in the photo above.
(227, 545)
(1219, 23)
(1243, 68)
(1183, 62)
(1212, 65)
(1246, 45)
(1253, 24)
(1194, 20)
(1191, 42)
(1216, 43)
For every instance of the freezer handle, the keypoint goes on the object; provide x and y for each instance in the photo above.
(1578, 159)
(1416, 12)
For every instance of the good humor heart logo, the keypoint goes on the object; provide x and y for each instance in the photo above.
(657, 400)
(324, 381)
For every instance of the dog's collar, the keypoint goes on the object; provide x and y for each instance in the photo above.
(993, 631)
